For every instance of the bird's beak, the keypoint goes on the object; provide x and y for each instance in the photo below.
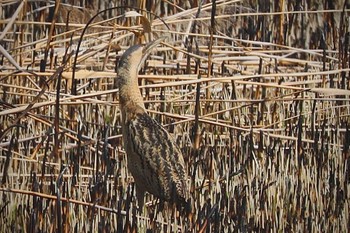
(148, 47)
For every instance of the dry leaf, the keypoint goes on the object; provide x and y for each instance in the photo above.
(144, 21)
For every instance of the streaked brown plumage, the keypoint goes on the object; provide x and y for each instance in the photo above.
(154, 160)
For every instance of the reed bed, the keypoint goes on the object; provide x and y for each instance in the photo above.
(256, 95)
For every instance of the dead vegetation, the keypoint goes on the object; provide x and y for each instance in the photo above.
(256, 94)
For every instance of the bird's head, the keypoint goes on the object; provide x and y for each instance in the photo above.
(134, 56)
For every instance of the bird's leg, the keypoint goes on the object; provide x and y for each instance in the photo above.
(134, 221)
(152, 217)
(155, 210)
(140, 194)
(161, 205)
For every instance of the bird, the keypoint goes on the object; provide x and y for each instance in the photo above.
(153, 157)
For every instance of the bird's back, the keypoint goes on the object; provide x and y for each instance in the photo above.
(154, 159)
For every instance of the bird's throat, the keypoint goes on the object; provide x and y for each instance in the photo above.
(130, 94)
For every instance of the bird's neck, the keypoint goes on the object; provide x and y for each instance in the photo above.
(130, 93)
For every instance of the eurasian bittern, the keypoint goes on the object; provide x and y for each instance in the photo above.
(153, 158)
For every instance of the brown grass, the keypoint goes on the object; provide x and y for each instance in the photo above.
(258, 100)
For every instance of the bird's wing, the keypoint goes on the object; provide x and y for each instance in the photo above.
(160, 154)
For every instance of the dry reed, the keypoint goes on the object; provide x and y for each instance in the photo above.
(256, 95)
